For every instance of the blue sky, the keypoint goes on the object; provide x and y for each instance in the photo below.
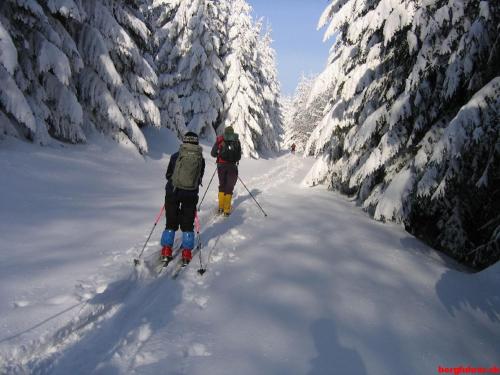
(298, 44)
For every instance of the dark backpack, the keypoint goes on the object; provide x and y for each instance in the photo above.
(231, 148)
(187, 169)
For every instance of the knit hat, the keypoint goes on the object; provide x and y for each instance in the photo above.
(229, 130)
(190, 137)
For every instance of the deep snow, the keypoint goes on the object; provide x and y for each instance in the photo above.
(317, 287)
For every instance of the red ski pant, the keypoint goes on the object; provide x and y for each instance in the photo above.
(228, 175)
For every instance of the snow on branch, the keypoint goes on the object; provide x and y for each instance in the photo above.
(8, 52)
(14, 102)
(52, 58)
(66, 8)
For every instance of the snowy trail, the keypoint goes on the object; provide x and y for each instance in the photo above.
(117, 320)
(315, 288)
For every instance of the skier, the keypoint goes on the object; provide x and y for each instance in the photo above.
(184, 176)
(293, 148)
(227, 150)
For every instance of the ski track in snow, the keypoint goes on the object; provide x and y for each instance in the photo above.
(274, 299)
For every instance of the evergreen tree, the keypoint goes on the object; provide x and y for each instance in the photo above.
(252, 94)
(409, 128)
(71, 66)
(243, 104)
(190, 40)
(39, 96)
(304, 115)
(75, 66)
(272, 119)
(116, 77)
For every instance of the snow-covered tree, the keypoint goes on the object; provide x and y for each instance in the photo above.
(117, 78)
(243, 102)
(412, 123)
(252, 92)
(295, 107)
(304, 115)
(76, 65)
(71, 66)
(272, 120)
(38, 97)
(190, 39)
(287, 135)
(12, 100)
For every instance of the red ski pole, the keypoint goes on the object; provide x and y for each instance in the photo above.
(138, 259)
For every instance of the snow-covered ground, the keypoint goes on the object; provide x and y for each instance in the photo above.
(317, 287)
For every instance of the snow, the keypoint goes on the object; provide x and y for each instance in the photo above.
(151, 111)
(52, 58)
(138, 26)
(318, 173)
(400, 110)
(322, 82)
(316, 286)
(468, 117)
(14, 101)
(6, 126)
(8, 52)
(412, 40)
(67, 8)
(357, 138)
(68, 110)
(95, 92)
(33, 7)
(391, 203)
(484, 10)
(96, 54)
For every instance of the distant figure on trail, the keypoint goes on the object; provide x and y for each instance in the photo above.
(227, 150)
(184, 176)
(293, 148)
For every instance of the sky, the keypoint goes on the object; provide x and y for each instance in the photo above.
(299, 46)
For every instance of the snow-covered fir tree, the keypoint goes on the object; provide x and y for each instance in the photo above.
(412, 123)
(190, 39)
(272, 119)
(286, 138)
(304, 114)
(252, 92)
(293, 123)
(243, 102)
(70, 66)
(216, 70)
(73, 65)
(39, 65)
(117, 78)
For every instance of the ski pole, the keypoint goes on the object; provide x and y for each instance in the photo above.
(138, 259)
(252, 196)
(210, 256)
(207, 189)
(201, 270)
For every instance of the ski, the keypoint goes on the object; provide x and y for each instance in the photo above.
(180, 266)
(162, 264)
